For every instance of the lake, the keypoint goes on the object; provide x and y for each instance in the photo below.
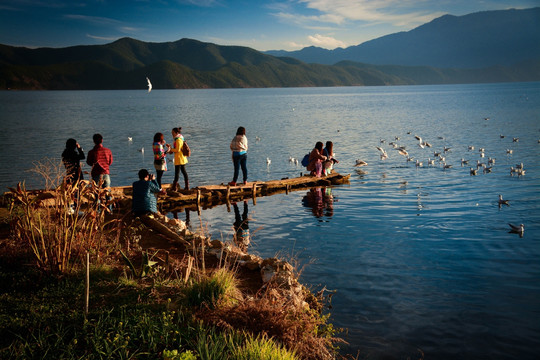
(421, 258)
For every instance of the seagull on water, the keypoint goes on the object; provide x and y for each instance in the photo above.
(473, 172)
(130, 139)
(268, 161)
(360, 163)
(502, 202)
(464, 162)
(149, 84)
(509, 151)
(141, 150)
(517, 229)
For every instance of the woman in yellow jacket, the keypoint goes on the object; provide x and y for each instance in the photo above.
(180, 160)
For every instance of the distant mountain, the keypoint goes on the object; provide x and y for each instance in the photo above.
(186, 63)
(478, 40)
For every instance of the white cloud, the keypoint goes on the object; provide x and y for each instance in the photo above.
(400, 13)
(105, 38)
(326, 42)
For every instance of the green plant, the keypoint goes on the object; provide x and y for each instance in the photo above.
(147, 265)
(175, 355)
(220, 288)
(262, 348)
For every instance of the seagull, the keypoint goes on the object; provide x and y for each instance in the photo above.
(360, 163)
(427, 144)
(503, 202)
(130, 139)
(403, 152)
(384, 155)
(295, 161)
(431, 161)
(491, 161)
(447, 166)
(257, 138)
(473, 172)
(515, 139)
(149, 84)
(141, 150)
(470, 147)
(268, 161)
(464, 162)
(517, 229)
(291, 159)
(418, 164)
(509, 151)
(488, 169)
(501, 136)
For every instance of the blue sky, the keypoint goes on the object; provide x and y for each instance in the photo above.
(262, 25)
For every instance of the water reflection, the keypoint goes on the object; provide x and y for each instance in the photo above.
(241, 227)
(320, 200)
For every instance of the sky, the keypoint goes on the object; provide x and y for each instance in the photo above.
(261, 25)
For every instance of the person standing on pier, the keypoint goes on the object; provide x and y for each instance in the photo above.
(239, 147)
(100, 158)
(72, 156)
(180, 160)
(160, 149)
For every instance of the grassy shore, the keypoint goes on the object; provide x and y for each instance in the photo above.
(147, 297)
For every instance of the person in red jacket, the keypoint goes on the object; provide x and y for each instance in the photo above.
(100, 158)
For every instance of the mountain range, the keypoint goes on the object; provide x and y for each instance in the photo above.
(447, 50)
(483, 39)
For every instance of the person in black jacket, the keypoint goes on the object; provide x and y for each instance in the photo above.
(72, 156)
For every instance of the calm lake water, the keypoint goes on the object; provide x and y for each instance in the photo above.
(421, 258)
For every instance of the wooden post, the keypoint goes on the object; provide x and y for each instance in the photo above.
(199, 201)
(228, 195)
(254, 190)
(87, 294)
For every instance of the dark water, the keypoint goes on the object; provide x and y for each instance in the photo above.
(421, 257)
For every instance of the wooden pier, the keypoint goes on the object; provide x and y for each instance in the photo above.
(207, 196)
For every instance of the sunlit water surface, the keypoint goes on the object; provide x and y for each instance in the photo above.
(421, 258)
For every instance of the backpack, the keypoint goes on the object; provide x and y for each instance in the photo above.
(305, 160)
(186, 151)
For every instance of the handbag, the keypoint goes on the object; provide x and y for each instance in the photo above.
(186, 151)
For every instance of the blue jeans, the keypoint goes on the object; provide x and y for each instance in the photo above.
(106, 180)
(240, 161)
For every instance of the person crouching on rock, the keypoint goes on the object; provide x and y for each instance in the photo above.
(144, 194)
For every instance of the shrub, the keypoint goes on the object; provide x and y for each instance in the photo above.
(54, 225)
(220, 288)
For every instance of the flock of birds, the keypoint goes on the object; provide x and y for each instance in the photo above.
(482, 164)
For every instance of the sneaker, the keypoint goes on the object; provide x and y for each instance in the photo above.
(232, 183)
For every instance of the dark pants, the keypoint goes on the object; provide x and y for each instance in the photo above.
(177, 169)
(159, 175)
(240, 161)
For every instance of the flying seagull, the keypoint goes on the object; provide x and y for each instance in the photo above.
(360, 163)
(149, 84)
